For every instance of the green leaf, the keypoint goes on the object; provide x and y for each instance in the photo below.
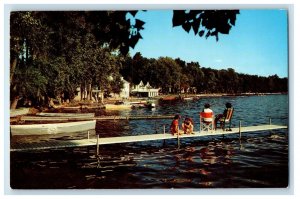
(139, 24)
(196, 25)
(178, 17)
(133, 13)
(201, 33)
(187, 27)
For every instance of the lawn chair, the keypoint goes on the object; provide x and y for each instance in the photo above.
(226, 120)
(206, 121)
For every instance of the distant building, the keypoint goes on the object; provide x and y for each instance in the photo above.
(125, 90)
(142, 90)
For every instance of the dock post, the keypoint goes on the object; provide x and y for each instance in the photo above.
(97, 144)
(240, 132)
(88, 135)
(270, 123)
(164, 143)
(178, 140)
(200, 125)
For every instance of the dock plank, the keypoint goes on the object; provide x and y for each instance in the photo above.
(136, 138)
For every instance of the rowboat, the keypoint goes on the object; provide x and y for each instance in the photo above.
(146, 104)
(54, 128)
(17, 112)
(67, 115)
(117, 106)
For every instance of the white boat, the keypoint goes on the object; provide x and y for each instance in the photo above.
(187, 98)
(117, 106)
(17, 112)
(143, 104)
(55, 128)
(138, 102)
(67, 115)
(151, 105)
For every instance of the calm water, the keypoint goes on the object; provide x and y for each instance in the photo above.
(258, 160)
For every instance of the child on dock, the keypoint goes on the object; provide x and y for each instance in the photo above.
(174, 126)
(187, 126)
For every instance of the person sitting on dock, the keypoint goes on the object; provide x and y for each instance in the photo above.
(207, 110)
(174, 126)
(187, 126)
(221, 117)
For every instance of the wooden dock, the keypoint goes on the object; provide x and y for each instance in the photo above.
(137, 138)
(113, 117)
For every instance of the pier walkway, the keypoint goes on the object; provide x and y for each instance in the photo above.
(138, 138)
(113, 117)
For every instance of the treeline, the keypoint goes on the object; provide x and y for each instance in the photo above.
(175, 75)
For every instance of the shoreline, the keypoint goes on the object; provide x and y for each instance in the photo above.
(33, 110)
(218, 94)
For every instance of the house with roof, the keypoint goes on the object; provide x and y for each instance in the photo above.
(142, 90)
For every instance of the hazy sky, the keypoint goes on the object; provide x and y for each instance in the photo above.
(256, 45)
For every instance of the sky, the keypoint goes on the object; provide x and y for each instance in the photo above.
(256, 45)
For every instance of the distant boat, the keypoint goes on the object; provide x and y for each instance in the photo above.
(117, 106)
(187, 98)
(143, 104)
(138, 102)
(169, 98)
(150, 104)
(54, 128)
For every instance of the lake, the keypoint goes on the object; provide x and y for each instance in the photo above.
(258, 160)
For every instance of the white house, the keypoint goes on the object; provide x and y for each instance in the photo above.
(126, 89)
(142, 90)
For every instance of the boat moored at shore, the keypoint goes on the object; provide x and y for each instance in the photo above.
(52, 128)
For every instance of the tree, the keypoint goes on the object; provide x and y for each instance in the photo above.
(205, 22)
(28, 46)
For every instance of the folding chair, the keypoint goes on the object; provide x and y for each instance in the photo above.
(226, 120)
(206, 121)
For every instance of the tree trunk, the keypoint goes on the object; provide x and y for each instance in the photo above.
(12, 69)
(14, 103)
(90, 91)
(81, 92)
